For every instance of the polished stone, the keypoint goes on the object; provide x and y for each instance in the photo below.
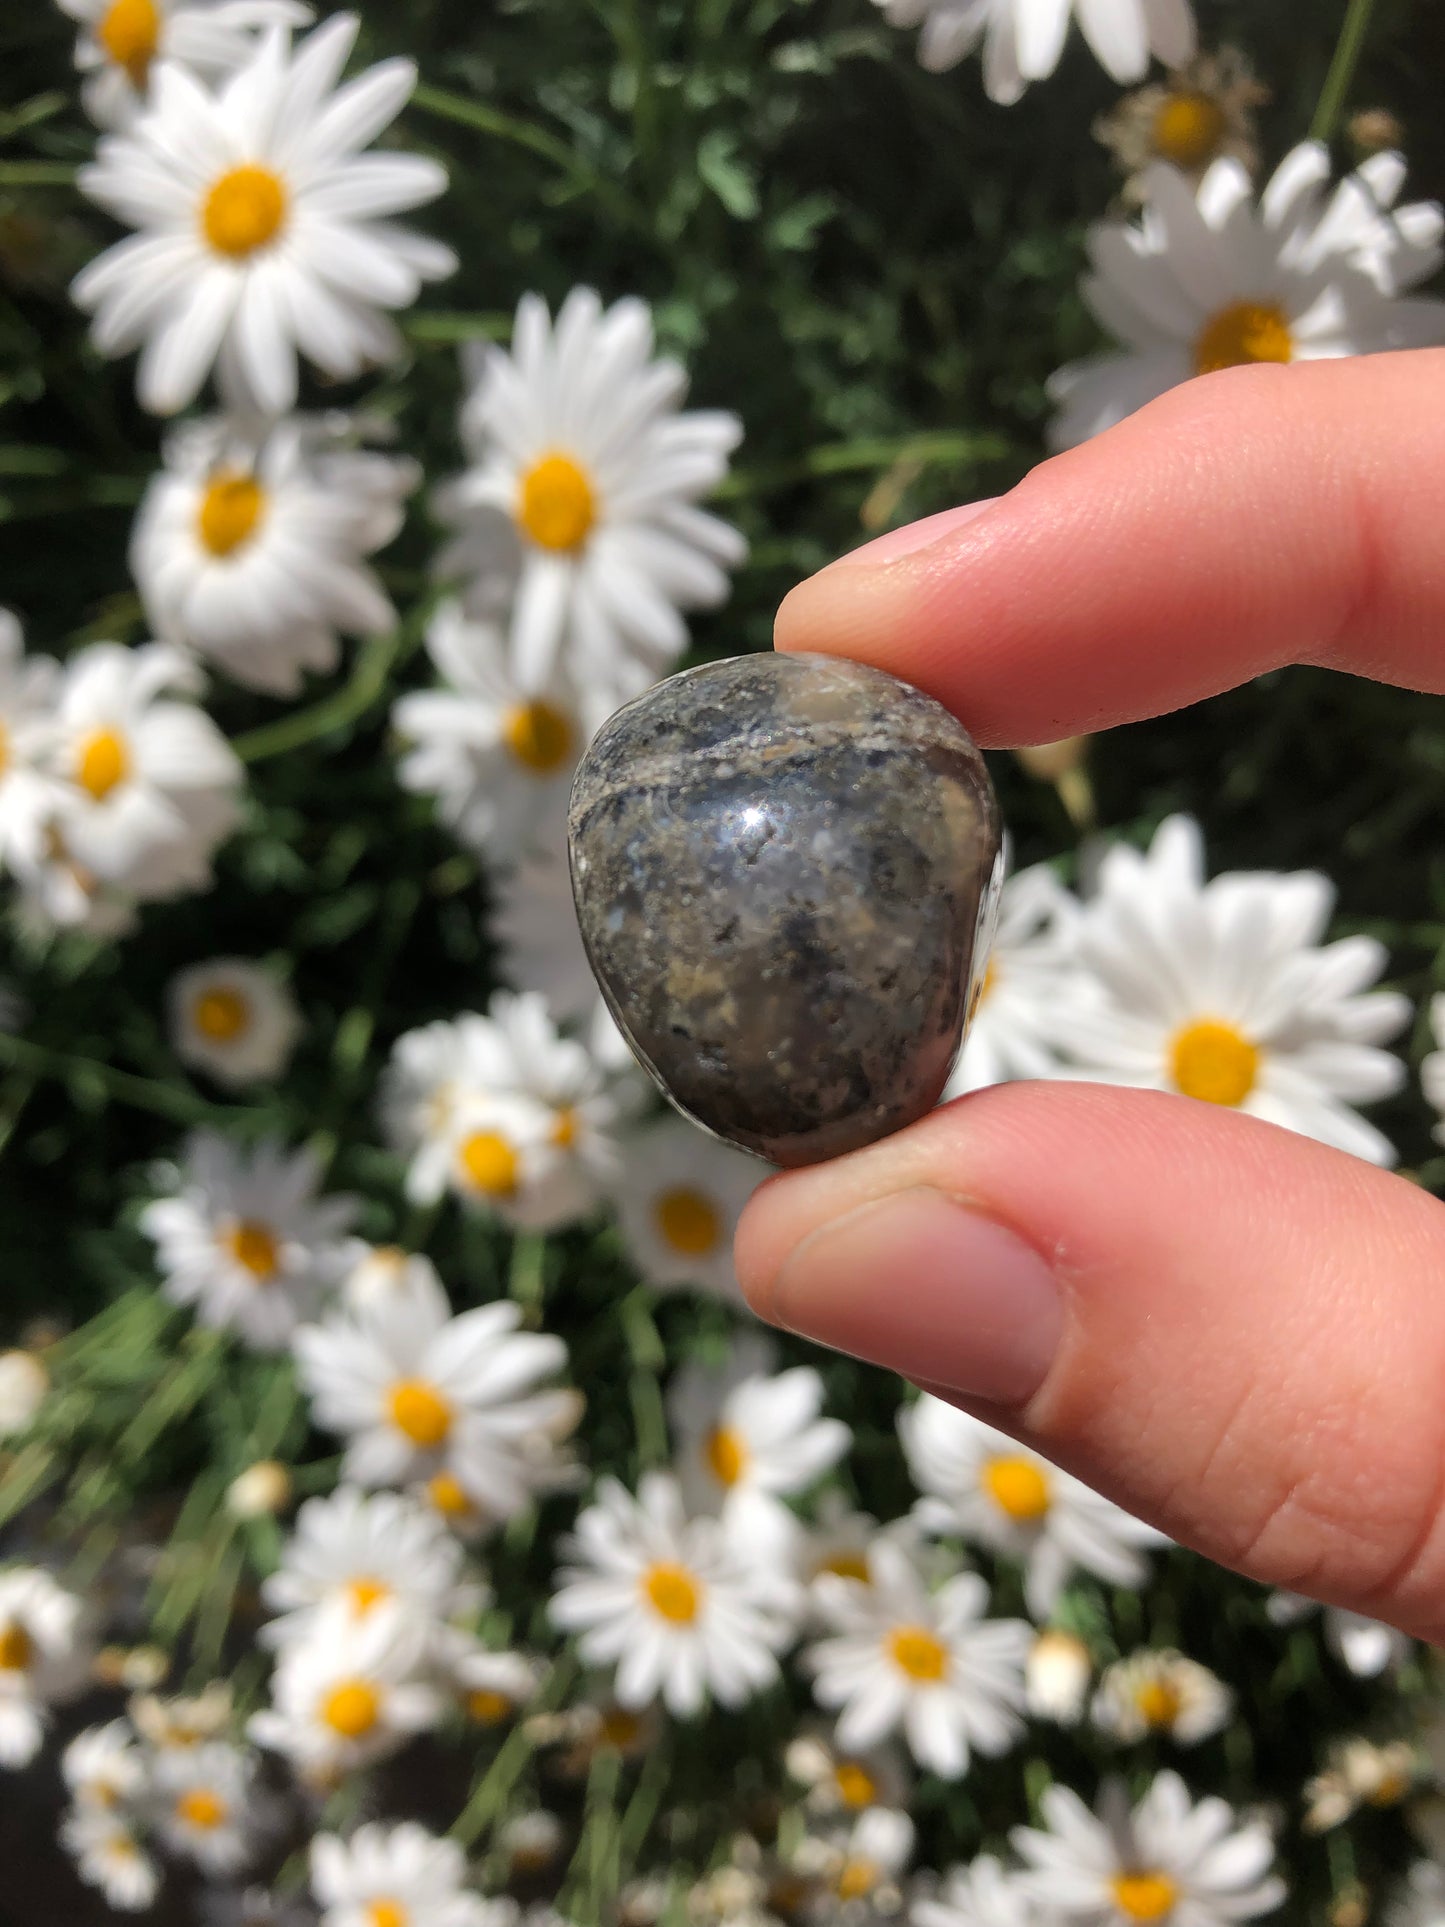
(782, 866)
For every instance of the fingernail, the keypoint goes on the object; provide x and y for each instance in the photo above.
(917, 535)
(930, 1289)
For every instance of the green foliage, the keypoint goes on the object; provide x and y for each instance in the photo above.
(876, 268)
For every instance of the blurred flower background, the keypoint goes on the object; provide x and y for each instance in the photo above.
(402, 1523)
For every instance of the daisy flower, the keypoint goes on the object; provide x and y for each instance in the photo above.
(1057, 1677)
(109, 1854)
(1164, 1693)
(392, 1876)
(996, 1493)
(1170, 1860)
(1221, 991)
(929, 1665)
(1203, 112)
(740, 1428)
(516, 1052)
(422, 1395)
(597, 1724)
(120, 42)
(29, 686)
(233, 1020)
(184, 1722)
(1359, 1774)
(262, 1491)
(839, 1540)
(102, 1767)
(1209, 280)
(202, 1800)
(530, 1842)
(354, 1553)
(505, 1112)
(839, 1781)
(535, 924)
(497, 757)
(249, 546)
(144, 786)
(983, 1894)
(1009, 1032)
(24, 1384)
(261, 225)
(1421, 1901)
(670, 1602)
(679, 1199)
(583, 491)
(856, 1870)
(1432, 1071)
(246, 1239)
(44, 1658)
(1365, 1647)
(1023, 39)
(343, 1701)
(491, 1687)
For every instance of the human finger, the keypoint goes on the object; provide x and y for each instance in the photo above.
(1235, 1332)
(1250, 518)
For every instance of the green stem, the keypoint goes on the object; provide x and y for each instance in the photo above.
(943, 446)
(366, 684)
(1340, 78)
(483, 119)
(143, 1093)
(37, 174)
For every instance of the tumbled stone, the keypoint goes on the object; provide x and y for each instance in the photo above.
(783, 867)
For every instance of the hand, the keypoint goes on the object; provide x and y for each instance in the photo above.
(1235, 1332)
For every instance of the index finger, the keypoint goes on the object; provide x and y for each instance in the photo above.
(1247, 519)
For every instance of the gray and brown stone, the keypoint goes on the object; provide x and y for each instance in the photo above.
(782, 866)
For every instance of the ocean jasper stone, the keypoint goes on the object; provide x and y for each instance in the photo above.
(785, 868)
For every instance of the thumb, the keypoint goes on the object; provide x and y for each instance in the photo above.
(1233, 1331)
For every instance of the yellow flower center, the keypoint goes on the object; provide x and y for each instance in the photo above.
(230, 509)
(17, 1649)
(201, 1808)
(104, 761)
(918, 1653)
(556, 505)
(255, 1248)
(1188, 129)
(1213, 1061)
(726, 1455)
(690, 1224)
(672, 1592)
(564, 1129)
(130, 31)
(221, 1015)
(419, 1410)
(856, 1879)
(1390, 1790)
(1159, 1702)
(352, 1708)
(489, 1164)
(990, 982)
(487, 1707)
(1244, 332)
(856, 1785)
(449, 1496)
(848, 1565)
(1145, 1896)
(619, 1729)
(539, 736)
(244, 210)
(363, 1594)
(1018, 1487)
(387, 1913)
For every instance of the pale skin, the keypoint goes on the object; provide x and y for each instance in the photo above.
(1235, 1332)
